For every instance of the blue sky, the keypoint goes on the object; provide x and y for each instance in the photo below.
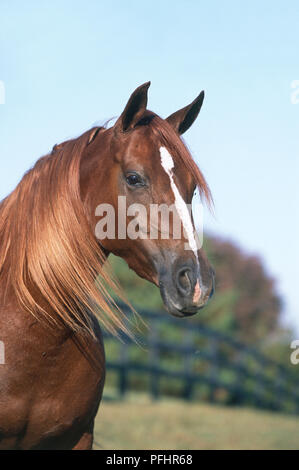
(69, 64)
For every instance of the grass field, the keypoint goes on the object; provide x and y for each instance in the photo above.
(138, 423)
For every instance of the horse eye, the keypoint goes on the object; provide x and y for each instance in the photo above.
(134, 180)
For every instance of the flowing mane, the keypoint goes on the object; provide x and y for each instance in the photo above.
(54, 278)
(49, 256)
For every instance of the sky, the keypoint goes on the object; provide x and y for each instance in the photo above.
(67, 65)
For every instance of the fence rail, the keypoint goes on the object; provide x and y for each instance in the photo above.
(201, 358)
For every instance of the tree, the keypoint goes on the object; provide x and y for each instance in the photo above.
(255, 305)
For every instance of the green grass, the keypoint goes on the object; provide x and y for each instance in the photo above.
(139, 423)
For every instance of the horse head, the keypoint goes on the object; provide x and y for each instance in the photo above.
(131, 174)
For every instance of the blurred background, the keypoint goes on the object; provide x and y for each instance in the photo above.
(224, 378)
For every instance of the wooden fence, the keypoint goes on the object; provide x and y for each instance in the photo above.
(199, 364)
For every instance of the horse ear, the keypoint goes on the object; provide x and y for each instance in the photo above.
(134, 109)
(181, 120)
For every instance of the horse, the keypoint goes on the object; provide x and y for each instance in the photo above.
(55, 292)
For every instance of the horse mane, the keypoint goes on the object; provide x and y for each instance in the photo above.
(49, 256)
(179, 150)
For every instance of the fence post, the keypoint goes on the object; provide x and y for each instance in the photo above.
(154, 361)
(280, 386)
(188, 365)
(123, 370)
(214, 371)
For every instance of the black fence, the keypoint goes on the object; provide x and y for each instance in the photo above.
(199, 363)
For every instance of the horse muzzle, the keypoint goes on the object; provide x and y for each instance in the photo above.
(186, 288)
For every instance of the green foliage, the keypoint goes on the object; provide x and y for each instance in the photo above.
(254, 306)
(139, 292)
(245, 306)
(138, 423)
(245, 303)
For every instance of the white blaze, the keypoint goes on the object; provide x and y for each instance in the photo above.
(181, 207)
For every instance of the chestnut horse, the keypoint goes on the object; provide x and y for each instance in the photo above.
(52, 376)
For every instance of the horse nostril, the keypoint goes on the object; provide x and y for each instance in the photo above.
(184, 281)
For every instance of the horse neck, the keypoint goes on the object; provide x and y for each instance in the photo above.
(95, 165)
(50, 257)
